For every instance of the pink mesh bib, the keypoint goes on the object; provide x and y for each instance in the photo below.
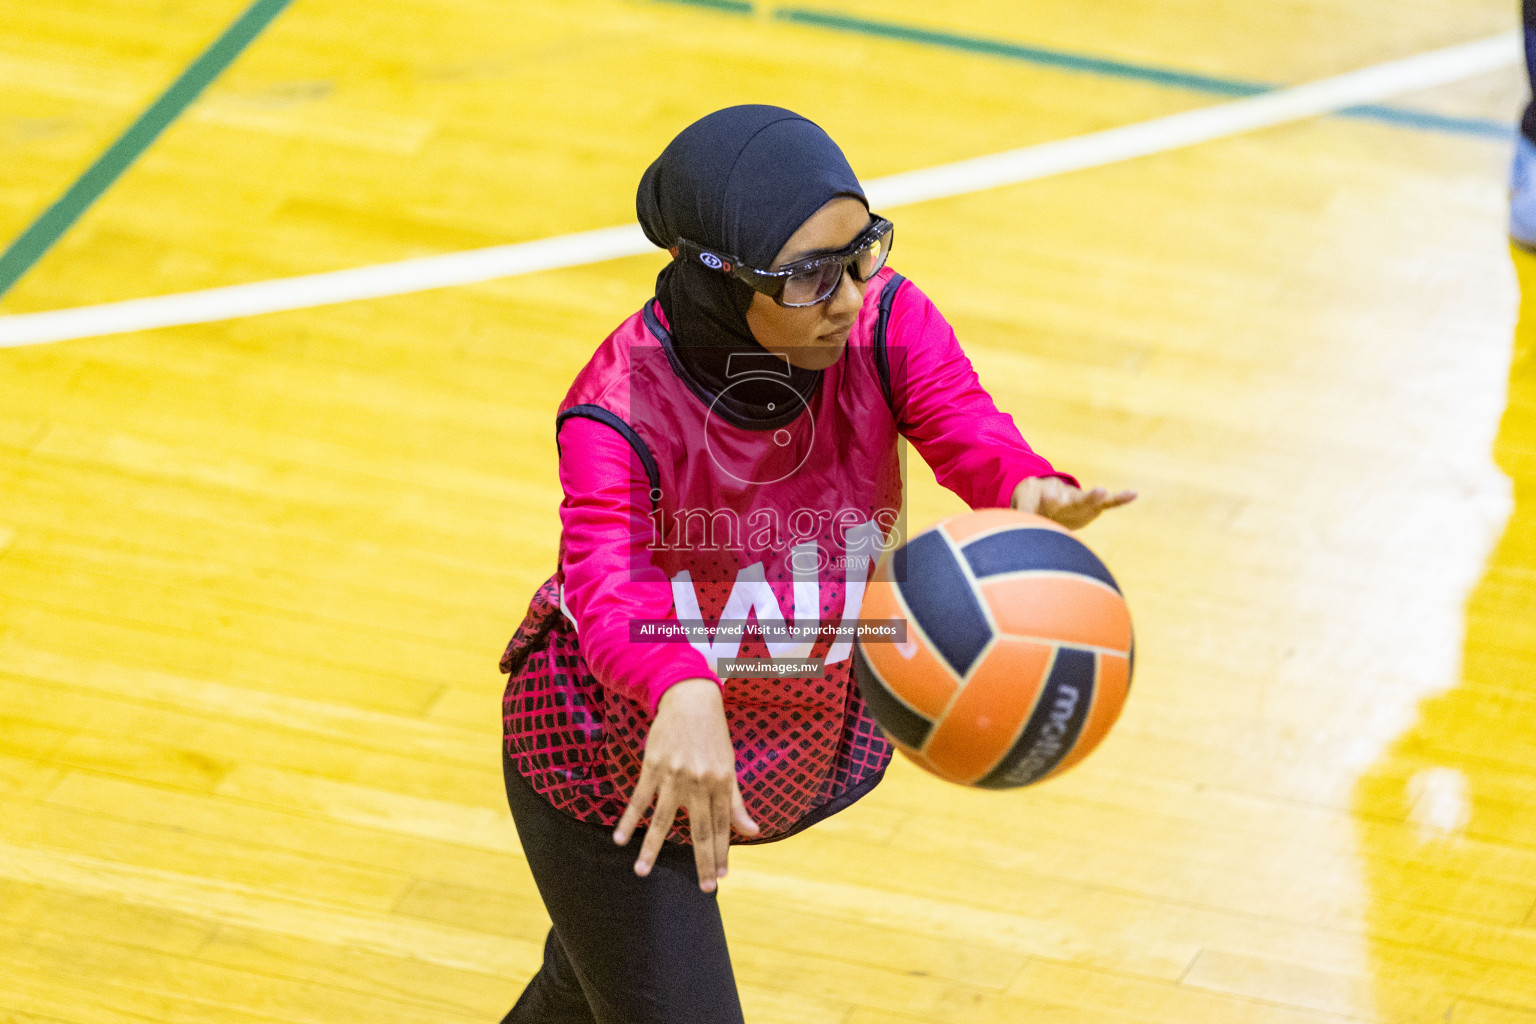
(772, 524)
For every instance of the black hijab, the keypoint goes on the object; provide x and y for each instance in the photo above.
(740, 180)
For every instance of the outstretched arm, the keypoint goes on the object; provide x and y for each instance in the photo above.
(974, 448)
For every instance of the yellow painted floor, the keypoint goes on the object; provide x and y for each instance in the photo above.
(255, 574)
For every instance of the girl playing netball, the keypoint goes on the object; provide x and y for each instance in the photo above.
(728, 456)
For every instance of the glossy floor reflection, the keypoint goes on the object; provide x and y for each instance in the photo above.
(1447, 817)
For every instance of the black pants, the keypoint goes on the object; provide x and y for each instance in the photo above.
(623, 949)
(1528, 16)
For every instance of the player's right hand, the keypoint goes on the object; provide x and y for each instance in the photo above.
(689, 764)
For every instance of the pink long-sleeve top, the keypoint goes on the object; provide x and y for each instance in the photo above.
(974, 449)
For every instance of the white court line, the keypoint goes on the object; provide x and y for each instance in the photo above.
(1368, 85)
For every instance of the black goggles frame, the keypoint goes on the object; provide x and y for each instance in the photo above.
(773, 282)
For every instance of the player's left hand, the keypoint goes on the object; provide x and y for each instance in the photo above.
(1070, 506)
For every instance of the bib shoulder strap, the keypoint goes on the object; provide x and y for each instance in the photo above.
(627, 432)
(882, 356)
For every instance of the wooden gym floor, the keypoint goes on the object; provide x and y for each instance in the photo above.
(255, 573)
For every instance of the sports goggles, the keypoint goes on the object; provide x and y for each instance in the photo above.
(809, 281)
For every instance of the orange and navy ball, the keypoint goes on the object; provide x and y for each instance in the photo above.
(1018, 651)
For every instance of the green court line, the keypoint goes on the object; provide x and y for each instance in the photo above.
(1087, 64)
(1423, 120)
(1430, 122)
(733, 6)
(57, 219)
(1017, 51)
